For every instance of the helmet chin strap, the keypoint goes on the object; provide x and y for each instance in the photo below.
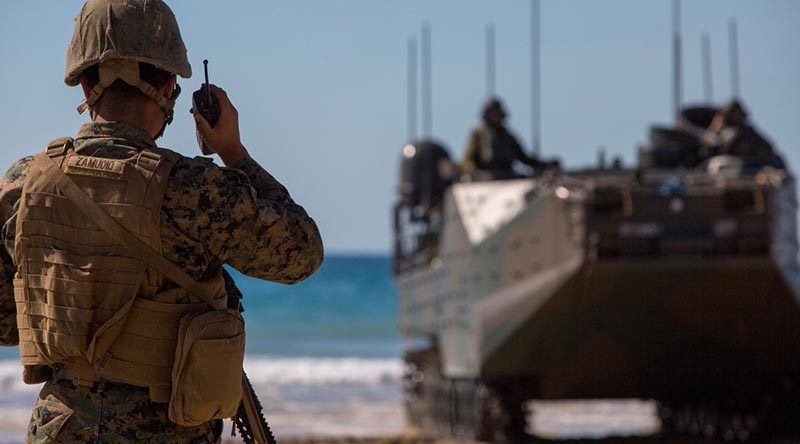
(128, 71)
(169, 113)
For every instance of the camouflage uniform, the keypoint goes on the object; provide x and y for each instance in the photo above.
(118, 414)
(211, 215)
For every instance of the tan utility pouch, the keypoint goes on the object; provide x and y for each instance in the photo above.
(207, 372)
(207, 375)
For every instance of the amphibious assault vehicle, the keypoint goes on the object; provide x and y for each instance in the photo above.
(676, 281)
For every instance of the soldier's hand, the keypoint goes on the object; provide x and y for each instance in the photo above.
(223, 138)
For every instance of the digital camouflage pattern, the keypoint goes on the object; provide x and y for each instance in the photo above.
(142, 30)
(10, 192)
(118, 414)
(240, 216)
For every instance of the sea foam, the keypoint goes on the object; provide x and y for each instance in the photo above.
(270, 370)
(302, 396)
(323, 371)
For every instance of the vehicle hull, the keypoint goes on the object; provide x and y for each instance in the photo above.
(658, 328)
(637, 298)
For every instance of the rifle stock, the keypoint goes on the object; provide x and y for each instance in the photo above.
(253, 428)
(249, 419)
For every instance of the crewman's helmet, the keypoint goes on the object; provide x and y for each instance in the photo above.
(734, 112)
(493, 104)
(117, 35)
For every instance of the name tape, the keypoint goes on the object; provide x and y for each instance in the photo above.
(95, 166)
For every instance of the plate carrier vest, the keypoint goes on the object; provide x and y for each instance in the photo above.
(84, 300)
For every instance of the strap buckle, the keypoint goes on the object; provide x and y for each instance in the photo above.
(58, 147)
(148, 162)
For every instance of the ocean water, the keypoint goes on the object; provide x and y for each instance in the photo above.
(324, 355)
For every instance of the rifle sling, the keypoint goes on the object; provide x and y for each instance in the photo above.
(137, 248)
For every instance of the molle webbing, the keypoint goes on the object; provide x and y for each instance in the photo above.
(84, 298)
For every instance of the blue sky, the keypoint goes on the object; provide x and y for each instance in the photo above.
(320, 85)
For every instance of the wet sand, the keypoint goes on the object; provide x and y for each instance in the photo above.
(361, 440)
(423, 440)
(376, 440)
(596, 422)
(354, 440)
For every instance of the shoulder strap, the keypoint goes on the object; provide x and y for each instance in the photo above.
(110, 225)
(59, 147)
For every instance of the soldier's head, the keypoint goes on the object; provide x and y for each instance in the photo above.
(126, 55)
(493, 112)
(730, 114)
(734, 113)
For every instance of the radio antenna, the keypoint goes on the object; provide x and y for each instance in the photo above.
(208, 90)
(490, 60)
(412, 90)
(733, 47)
(427, 93)
(708, 85)
(676, 58)
(536, 71)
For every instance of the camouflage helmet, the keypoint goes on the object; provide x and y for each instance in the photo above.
(117, 35)
(734, 111)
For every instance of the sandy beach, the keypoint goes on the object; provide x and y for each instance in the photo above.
(423, 440)
(353, 440)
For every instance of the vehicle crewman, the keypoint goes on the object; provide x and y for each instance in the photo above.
(492, 149)
(96, 323)
(736, 136)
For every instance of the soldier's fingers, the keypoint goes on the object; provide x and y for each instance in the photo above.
(222, 98)
(202, 125)
(219, 93)
(216, 90)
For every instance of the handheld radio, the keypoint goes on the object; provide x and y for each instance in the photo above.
(206, 104)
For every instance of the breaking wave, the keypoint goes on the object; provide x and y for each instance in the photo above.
(302, 395)
(266, 370)
(323, 371)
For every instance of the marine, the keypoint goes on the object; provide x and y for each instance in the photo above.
(492, 149)
(95, 322)
(734, 135)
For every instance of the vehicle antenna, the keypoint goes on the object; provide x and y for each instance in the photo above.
(490, 60)
(733, 47)
(412, 90)
(536, 71)
(427, 93)
(708, 86)
(208, 90)
(676, 58)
